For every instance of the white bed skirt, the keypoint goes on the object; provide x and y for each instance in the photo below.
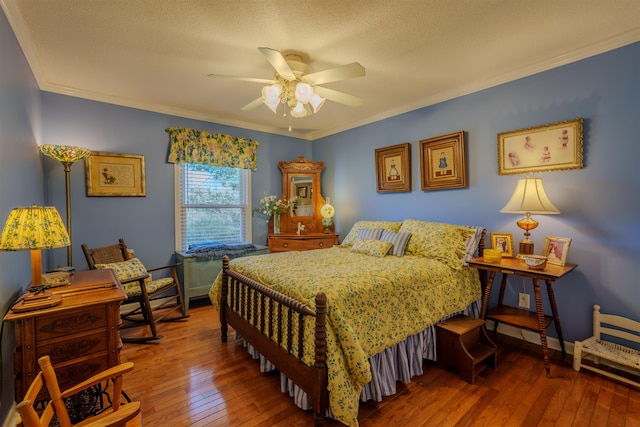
(401, 362)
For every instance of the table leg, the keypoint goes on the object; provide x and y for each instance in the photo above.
(556, 318)
(541, 328)
(503, 284)
(487, 294)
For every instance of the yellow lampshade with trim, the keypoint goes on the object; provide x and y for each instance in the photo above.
(32, 229)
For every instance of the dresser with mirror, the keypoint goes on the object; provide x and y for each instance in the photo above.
(301, 229)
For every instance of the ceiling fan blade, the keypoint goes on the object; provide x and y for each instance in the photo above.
(339, 97)
(278, 62)
(343, 72)
(244, 79)
(253, 104)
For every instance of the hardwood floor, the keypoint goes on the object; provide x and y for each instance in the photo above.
(190, 378)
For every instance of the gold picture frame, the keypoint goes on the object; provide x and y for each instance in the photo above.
(503, 242)
(115, 175)
(393, 168)
(443, 162)
(551, 147)
(556, 249)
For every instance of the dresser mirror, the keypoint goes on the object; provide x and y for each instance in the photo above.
(301, 179)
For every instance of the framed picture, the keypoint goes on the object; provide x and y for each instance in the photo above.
(393, 168)
(442, 162)
(112, 175)
(302, 192)
(556, 249)
(556, 146)
(502, 242)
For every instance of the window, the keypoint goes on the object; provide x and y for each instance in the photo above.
(212, 204)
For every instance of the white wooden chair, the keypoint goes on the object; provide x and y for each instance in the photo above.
(615, 326)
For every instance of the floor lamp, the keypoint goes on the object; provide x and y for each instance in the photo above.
(67, 155)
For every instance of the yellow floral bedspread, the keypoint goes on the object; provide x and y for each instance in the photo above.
(372, 303)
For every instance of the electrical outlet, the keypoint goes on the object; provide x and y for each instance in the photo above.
(523, 300)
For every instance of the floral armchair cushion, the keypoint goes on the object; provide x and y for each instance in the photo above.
(131, 269)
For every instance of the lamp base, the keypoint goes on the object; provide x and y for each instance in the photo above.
(526, 248)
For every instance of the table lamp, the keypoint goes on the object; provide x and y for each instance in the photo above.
(327, 211)
(529, 198)
(32, 229)
(67, 155)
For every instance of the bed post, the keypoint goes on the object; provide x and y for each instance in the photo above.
(482, 273)
(322, 398)
(223, 298)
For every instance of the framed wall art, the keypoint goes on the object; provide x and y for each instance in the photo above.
(442, 162)
(393, 168)
(556, 146)
(113, 175)
(556, 249)
(503, 242)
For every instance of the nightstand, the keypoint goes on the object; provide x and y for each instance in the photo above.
(535, 321)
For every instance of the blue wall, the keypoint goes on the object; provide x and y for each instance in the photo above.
(146, 223)
(599, 203)
(20, 179)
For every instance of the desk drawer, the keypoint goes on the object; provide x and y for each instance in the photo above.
(75, 347)
(70, 322)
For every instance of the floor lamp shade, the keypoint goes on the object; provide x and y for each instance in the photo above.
(67, 155)
(33, 229)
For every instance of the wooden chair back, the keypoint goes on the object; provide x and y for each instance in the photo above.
(118, 415)
(106, 254)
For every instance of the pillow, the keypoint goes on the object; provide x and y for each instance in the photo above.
(376, 248)
(437, 240)
(353, 233)
(399, 241)
(472, 242)
(125, 270)
(370, 233)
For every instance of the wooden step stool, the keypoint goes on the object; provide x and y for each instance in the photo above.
(462, 342)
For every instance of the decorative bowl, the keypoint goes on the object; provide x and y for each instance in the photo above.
(536, 262)
(492, 255)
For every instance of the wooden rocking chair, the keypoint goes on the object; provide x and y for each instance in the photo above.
(118, 414)
(156, 298)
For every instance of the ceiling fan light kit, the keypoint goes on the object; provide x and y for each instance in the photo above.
(297, 87)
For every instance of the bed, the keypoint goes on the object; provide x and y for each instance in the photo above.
(344, 324)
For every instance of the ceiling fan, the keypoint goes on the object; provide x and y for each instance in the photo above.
(295, 86)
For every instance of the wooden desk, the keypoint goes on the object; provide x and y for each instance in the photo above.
(81, 334)
(536, 321)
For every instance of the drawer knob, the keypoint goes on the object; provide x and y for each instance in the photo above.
(286, 245)
(321, 244)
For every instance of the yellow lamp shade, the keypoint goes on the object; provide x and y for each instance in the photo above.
(35, 227)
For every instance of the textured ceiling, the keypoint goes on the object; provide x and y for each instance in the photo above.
(155, 54)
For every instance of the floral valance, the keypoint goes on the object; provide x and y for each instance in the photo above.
(214, 149)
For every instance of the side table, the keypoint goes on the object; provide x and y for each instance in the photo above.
(535, 321)
(81, 333)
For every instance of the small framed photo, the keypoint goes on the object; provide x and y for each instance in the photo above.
(114, 175)
(556, 249)
(442, 162)
(503, 242)
(551, 147)
(302, 192)
(393, 168)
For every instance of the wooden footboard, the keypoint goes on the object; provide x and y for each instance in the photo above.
(250, 308)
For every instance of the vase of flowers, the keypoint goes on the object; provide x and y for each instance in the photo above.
(273, 206)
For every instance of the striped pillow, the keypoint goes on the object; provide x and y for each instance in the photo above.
(399, 241)
(370, 233)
